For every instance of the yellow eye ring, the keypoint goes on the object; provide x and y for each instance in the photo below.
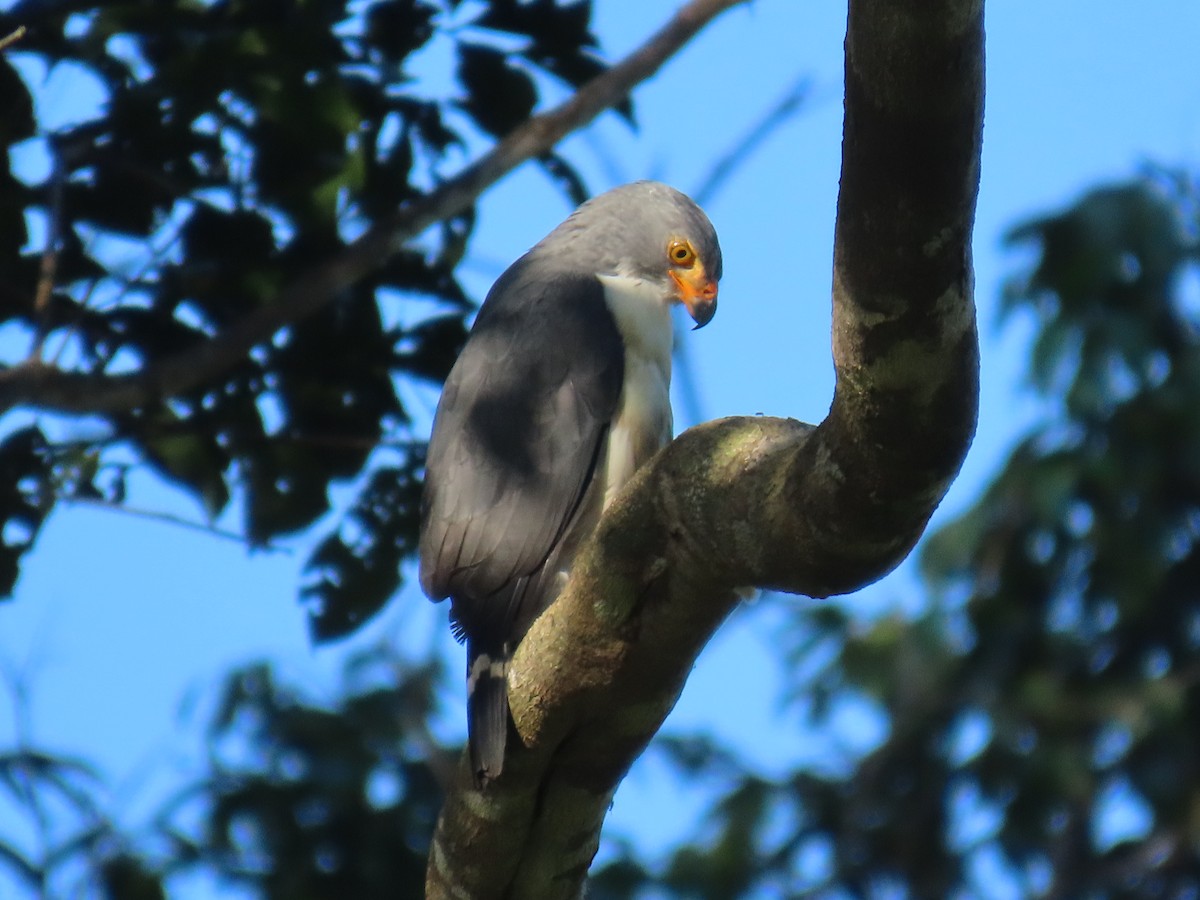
(680, 253)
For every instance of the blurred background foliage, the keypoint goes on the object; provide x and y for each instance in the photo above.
(239, 144)
(1041, 708)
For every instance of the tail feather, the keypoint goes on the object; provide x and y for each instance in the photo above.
(487, 711)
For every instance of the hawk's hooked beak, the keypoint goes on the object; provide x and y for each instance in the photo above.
(697, 292)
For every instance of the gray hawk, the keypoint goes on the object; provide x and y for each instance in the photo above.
(559, 395)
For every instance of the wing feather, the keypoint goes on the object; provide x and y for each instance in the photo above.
(516, 440)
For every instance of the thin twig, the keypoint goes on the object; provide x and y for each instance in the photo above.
(34, 384)
(172, 519)
(24, 781)
(84, 303)
(785, 108)
(9, 40)
(48, 268)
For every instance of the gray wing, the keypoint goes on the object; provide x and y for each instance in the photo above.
(516, 438)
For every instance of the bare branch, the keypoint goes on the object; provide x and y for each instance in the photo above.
(34, 384)
(760, 501)
(172, 519)
(780, 112)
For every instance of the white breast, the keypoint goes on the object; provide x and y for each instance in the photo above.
(643, 423)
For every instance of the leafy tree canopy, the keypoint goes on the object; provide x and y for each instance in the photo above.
(1049, 683)
(236, 143)
(1041, 713)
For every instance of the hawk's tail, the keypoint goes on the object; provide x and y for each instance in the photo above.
(487, 710)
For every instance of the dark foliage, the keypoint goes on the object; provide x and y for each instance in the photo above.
(328, 802)
(300, 799)
(1040, 713)
(234, 145)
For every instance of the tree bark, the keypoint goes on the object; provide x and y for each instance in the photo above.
(774, 503)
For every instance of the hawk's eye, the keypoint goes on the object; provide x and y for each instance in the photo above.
(681, 253)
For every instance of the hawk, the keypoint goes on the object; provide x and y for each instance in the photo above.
(560, 393)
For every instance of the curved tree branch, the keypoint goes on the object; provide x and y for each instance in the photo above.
(763, 501)
(35, 383)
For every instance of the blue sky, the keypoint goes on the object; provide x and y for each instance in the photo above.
(117, 618)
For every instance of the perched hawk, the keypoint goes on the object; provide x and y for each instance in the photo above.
(560, 394)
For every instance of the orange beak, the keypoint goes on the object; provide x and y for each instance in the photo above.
(697, 292)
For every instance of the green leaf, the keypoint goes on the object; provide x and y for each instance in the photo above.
(351, 578)
(499, 95)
